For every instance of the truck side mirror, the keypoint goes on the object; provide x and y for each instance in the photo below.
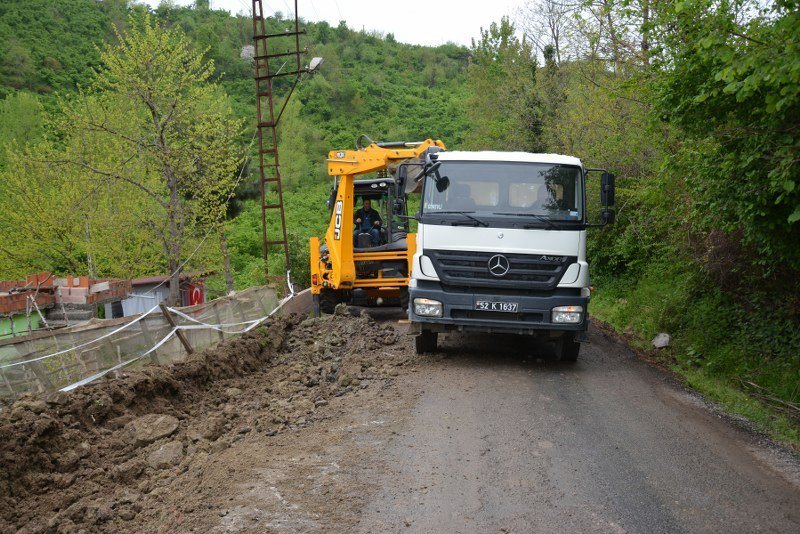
(402, 177)
(427, 170)
(607, 189)
(607, 216)
(442, 183)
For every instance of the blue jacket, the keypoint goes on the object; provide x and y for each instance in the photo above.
(368, 218)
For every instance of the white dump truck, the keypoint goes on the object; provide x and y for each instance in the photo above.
(501, 247)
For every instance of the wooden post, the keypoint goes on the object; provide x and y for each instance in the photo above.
(181, 335)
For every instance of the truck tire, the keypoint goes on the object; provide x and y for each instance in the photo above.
(404, 299)
(569, 349)
(426, 342)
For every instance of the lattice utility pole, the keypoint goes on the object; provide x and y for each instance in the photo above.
(280, 48)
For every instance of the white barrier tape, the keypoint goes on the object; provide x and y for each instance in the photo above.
(211, 327)
(82, 345)
(289, 282)
(98, 375)
(217, 325)
(255, 323)
(120, 365)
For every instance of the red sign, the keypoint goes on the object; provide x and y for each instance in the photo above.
(195, 293)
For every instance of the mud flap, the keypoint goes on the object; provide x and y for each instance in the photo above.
(315, 305)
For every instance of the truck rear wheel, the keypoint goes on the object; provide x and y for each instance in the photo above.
(569, 348)
(328, 299)
(426, 342)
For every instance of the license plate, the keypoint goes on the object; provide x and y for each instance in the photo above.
(486, 305)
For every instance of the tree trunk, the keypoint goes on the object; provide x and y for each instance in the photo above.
(615, 44)
(174, 286)
(175, 235)
(646, 32)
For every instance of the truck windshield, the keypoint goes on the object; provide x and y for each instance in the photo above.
(506, 190)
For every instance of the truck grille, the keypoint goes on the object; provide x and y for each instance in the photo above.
(497, 316)
(526, 271)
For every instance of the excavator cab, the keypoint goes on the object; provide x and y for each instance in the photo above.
(383, 197)
(353, 265)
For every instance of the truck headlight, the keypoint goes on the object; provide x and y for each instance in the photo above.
(427, 308)
(567, 314)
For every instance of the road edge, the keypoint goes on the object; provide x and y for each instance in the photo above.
(762, 434)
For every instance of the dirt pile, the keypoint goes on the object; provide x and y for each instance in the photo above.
(101, 457)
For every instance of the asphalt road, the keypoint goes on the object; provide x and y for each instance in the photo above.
(498, 440)
(344, 429)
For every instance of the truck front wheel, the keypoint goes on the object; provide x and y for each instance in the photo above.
(569, 348)
(426, 342)
(404, 299)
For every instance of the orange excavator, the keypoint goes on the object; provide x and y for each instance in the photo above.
(363, 268)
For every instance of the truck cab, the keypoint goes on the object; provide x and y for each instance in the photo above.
(501, 248)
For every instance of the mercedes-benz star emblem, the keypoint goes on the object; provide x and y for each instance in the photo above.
(498, 265)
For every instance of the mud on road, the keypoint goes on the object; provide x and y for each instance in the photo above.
(162, 447)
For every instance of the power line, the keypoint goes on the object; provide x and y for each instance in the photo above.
(314, 9)
(288, 8)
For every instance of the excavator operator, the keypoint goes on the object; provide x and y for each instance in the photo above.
(368, 221)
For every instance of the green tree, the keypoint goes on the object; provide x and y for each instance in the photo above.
(17, 64)
(298, 144)
(38, 227)
(503, 106)
(171, 130)
(729, 77)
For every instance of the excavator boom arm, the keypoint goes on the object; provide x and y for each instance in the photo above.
(375, 157)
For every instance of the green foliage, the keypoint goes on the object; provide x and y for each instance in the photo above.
(503, 105)
(143, 167)
(700, 126)
(46, 46)
(306, 214)
(731, 81)
(300, 146)
(34, 235)
(21, 121)
(652, 302)
(388, 90)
